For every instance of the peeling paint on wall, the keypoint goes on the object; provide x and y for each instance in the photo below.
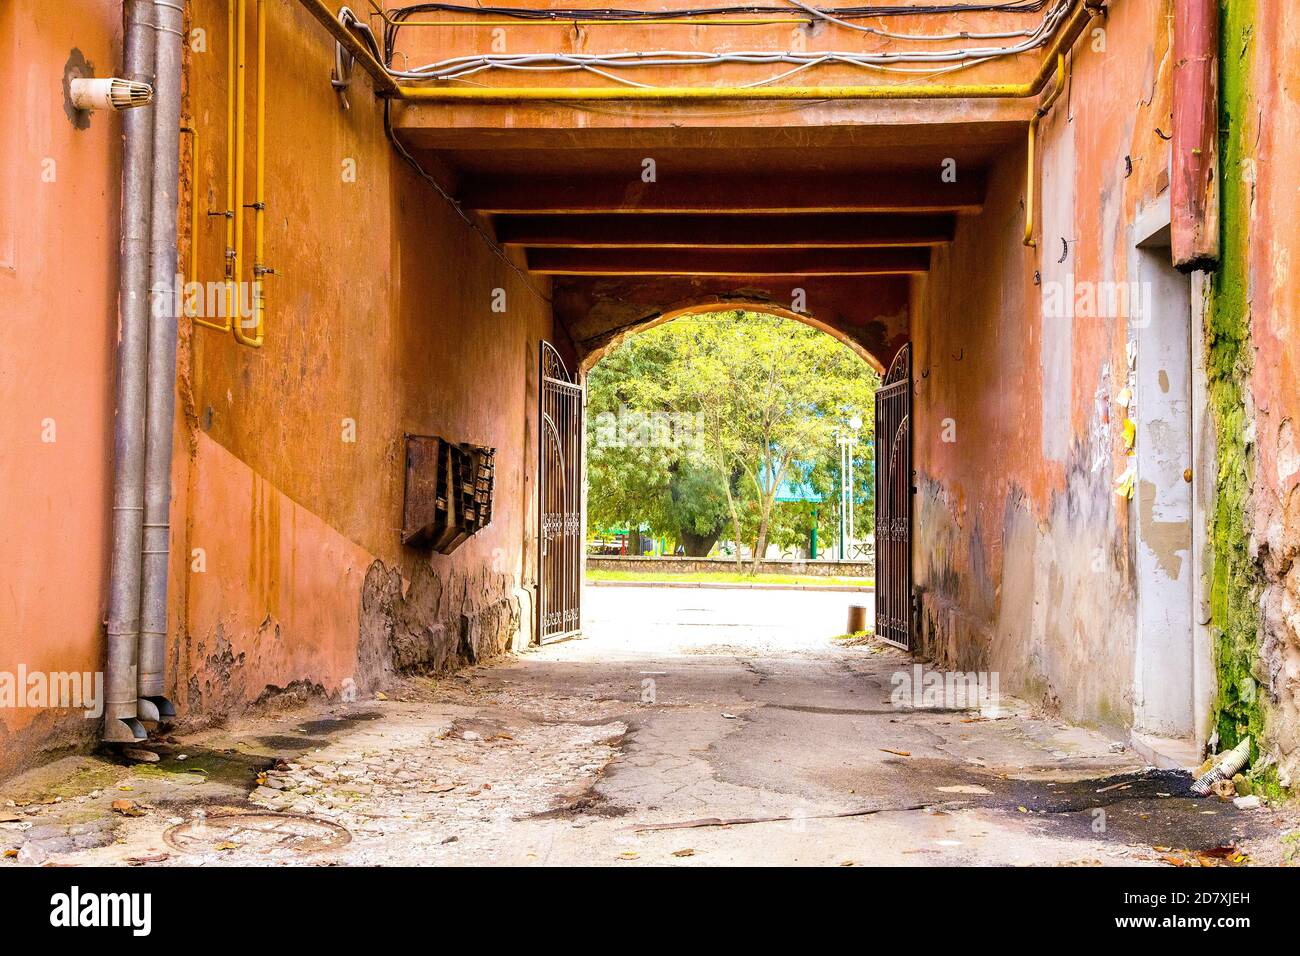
(440, 620)
(1025, 554)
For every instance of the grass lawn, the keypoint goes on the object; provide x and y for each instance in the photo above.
(723, 577)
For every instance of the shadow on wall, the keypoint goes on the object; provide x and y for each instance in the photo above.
(434, 623)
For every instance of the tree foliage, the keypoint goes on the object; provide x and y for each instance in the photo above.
(694, 425)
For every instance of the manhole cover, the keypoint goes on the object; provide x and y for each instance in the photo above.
(262, 833)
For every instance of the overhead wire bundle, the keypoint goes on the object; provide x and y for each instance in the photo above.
(603, 64)
(631, 16)
(461, 67)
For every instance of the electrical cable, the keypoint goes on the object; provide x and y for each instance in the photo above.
(456, 67)
(624, 15)
(463, 66)
(395, 18)
(828, 18)
(349, 19)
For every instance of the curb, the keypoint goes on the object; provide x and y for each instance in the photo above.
(730, 586)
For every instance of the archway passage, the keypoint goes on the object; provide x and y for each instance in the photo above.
(629, 228)
(832, 226)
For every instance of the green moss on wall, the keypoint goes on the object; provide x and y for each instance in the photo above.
(1235, 587)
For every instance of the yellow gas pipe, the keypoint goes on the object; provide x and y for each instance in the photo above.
(236, 133)
(241, 126)
(228, 257)
(195, 309)
(259, 202)
(1030, 187)
(236, 126)
(235, 171)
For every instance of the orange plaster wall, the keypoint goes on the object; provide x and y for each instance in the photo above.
(1274, 393)
(59, 195)
(1023, 552)
(380, 322)
(266, 556)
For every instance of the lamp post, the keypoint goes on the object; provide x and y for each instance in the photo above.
(847, 441)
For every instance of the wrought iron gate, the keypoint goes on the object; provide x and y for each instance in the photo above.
(559, 488)
(894, 503)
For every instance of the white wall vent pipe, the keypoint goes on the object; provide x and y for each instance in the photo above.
(112, 93)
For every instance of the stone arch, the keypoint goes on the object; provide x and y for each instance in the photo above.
(716, 304)
(870, 314)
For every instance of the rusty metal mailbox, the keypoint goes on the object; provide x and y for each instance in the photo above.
(448, 493)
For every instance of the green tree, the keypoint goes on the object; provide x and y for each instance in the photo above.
(754, 394)
(643, 462)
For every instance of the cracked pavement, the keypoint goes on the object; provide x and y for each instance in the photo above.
(688, 727)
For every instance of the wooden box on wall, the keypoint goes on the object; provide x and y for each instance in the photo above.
(448, 494)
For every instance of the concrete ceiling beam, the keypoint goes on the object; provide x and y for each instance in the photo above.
(729, 262)
(678, 231)
(883, 192)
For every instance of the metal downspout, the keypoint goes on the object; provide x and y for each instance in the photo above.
(167, 290)
(1194, 182)
(123, 624)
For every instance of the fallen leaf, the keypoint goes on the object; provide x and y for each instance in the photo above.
(1220, 852)
(686, 852)
(897, 753)
(11, 853)
(127, 808)
(380, 695)
(142, 860)
(629, 855)
(227, 845)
